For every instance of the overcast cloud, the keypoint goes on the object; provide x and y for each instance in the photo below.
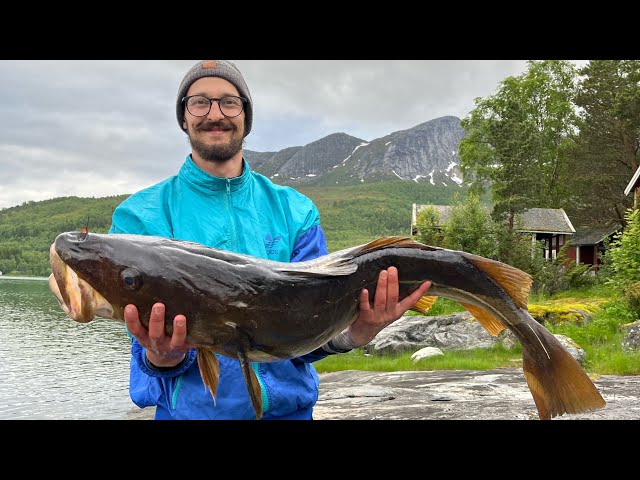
(99, 128)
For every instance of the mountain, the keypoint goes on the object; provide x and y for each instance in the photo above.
(424, 153)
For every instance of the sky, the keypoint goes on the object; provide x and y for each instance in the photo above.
(95, 128)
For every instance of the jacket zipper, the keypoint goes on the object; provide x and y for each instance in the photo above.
(233, 225)
(174, 397)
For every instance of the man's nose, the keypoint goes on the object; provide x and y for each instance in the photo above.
(214, 112)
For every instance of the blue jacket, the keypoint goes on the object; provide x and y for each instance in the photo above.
(247, 214)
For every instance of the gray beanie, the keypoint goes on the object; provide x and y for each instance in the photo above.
(216, 68)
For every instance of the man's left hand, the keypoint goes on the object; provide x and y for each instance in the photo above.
(386, 307)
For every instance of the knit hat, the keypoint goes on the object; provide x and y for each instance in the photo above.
(216, 68)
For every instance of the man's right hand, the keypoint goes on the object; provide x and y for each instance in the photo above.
(162, 350)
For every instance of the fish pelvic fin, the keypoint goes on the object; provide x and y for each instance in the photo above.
(252, 382)
(424, 304)
(209, 370)
(488, 321)
(556, 380)
(514, 281)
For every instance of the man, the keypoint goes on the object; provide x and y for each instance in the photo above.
(216, 200)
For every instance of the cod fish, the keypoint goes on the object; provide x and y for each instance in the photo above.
(257, 310)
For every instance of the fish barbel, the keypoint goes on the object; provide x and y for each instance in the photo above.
(257, 310)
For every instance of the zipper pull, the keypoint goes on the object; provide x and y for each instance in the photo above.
(228, 187)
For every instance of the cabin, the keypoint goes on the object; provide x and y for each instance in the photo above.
(634, 186)
(549, 225)
(587, 246)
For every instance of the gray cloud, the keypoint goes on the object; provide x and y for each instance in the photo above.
(97, 128)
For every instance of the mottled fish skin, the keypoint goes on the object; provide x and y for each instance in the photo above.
(261, 310)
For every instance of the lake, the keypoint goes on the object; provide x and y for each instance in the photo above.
(55, 368)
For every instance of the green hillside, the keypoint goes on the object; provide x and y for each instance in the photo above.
(350, 215)
(356, 214)
(27, 231)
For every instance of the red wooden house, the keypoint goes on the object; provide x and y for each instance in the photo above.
(589, 243)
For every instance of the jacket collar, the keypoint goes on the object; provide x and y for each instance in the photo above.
(206, 183)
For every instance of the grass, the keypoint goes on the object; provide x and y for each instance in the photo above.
(600, 338)
(474, 359)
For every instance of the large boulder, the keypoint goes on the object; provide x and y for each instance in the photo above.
(458, 331)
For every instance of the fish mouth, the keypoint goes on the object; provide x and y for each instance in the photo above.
(80, 301)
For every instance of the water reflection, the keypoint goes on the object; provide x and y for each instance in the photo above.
(54, 368)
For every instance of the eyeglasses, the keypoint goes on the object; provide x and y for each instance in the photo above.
(199, 105)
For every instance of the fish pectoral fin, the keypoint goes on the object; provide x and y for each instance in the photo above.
(424, 304)
(209, 369)
(252, 382)
(488, 321)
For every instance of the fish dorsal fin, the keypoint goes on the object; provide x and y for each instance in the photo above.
(488, 321)
(342, 262)
(514, 281)
(336, 263)
(387, 242)
(424, 304)
(209, 369)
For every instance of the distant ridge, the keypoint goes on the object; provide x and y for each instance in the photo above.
(427, 152)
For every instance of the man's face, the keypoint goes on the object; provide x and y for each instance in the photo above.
(214, 137)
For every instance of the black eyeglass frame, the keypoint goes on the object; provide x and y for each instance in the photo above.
(211, 100)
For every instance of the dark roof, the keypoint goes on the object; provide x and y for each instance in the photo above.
(540, 220)
(546, 220)
(592, 235)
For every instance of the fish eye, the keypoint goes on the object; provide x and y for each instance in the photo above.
(131, 278)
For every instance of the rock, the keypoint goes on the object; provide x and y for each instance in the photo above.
(572, 347)
(632, 340)
(459, 331)
(500, 394)
(426, 352)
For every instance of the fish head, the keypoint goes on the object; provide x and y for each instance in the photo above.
(90, 278)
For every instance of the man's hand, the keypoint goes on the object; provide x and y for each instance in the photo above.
(162, 350)
(386, 308)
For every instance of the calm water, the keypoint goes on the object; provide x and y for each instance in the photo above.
(54, 368)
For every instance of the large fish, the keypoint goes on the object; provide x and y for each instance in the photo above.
(253, 309)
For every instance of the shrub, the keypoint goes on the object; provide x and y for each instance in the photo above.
(631, 294)
(624, 252)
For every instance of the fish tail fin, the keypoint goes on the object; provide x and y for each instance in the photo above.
(556, 380)
(209, 370)
(252, 382)
(488, 321)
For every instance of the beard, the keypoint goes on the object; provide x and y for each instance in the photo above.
(216, 153)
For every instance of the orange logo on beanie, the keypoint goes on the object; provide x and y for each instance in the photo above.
(209, 64)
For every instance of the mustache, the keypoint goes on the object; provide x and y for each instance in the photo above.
(220, 124)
